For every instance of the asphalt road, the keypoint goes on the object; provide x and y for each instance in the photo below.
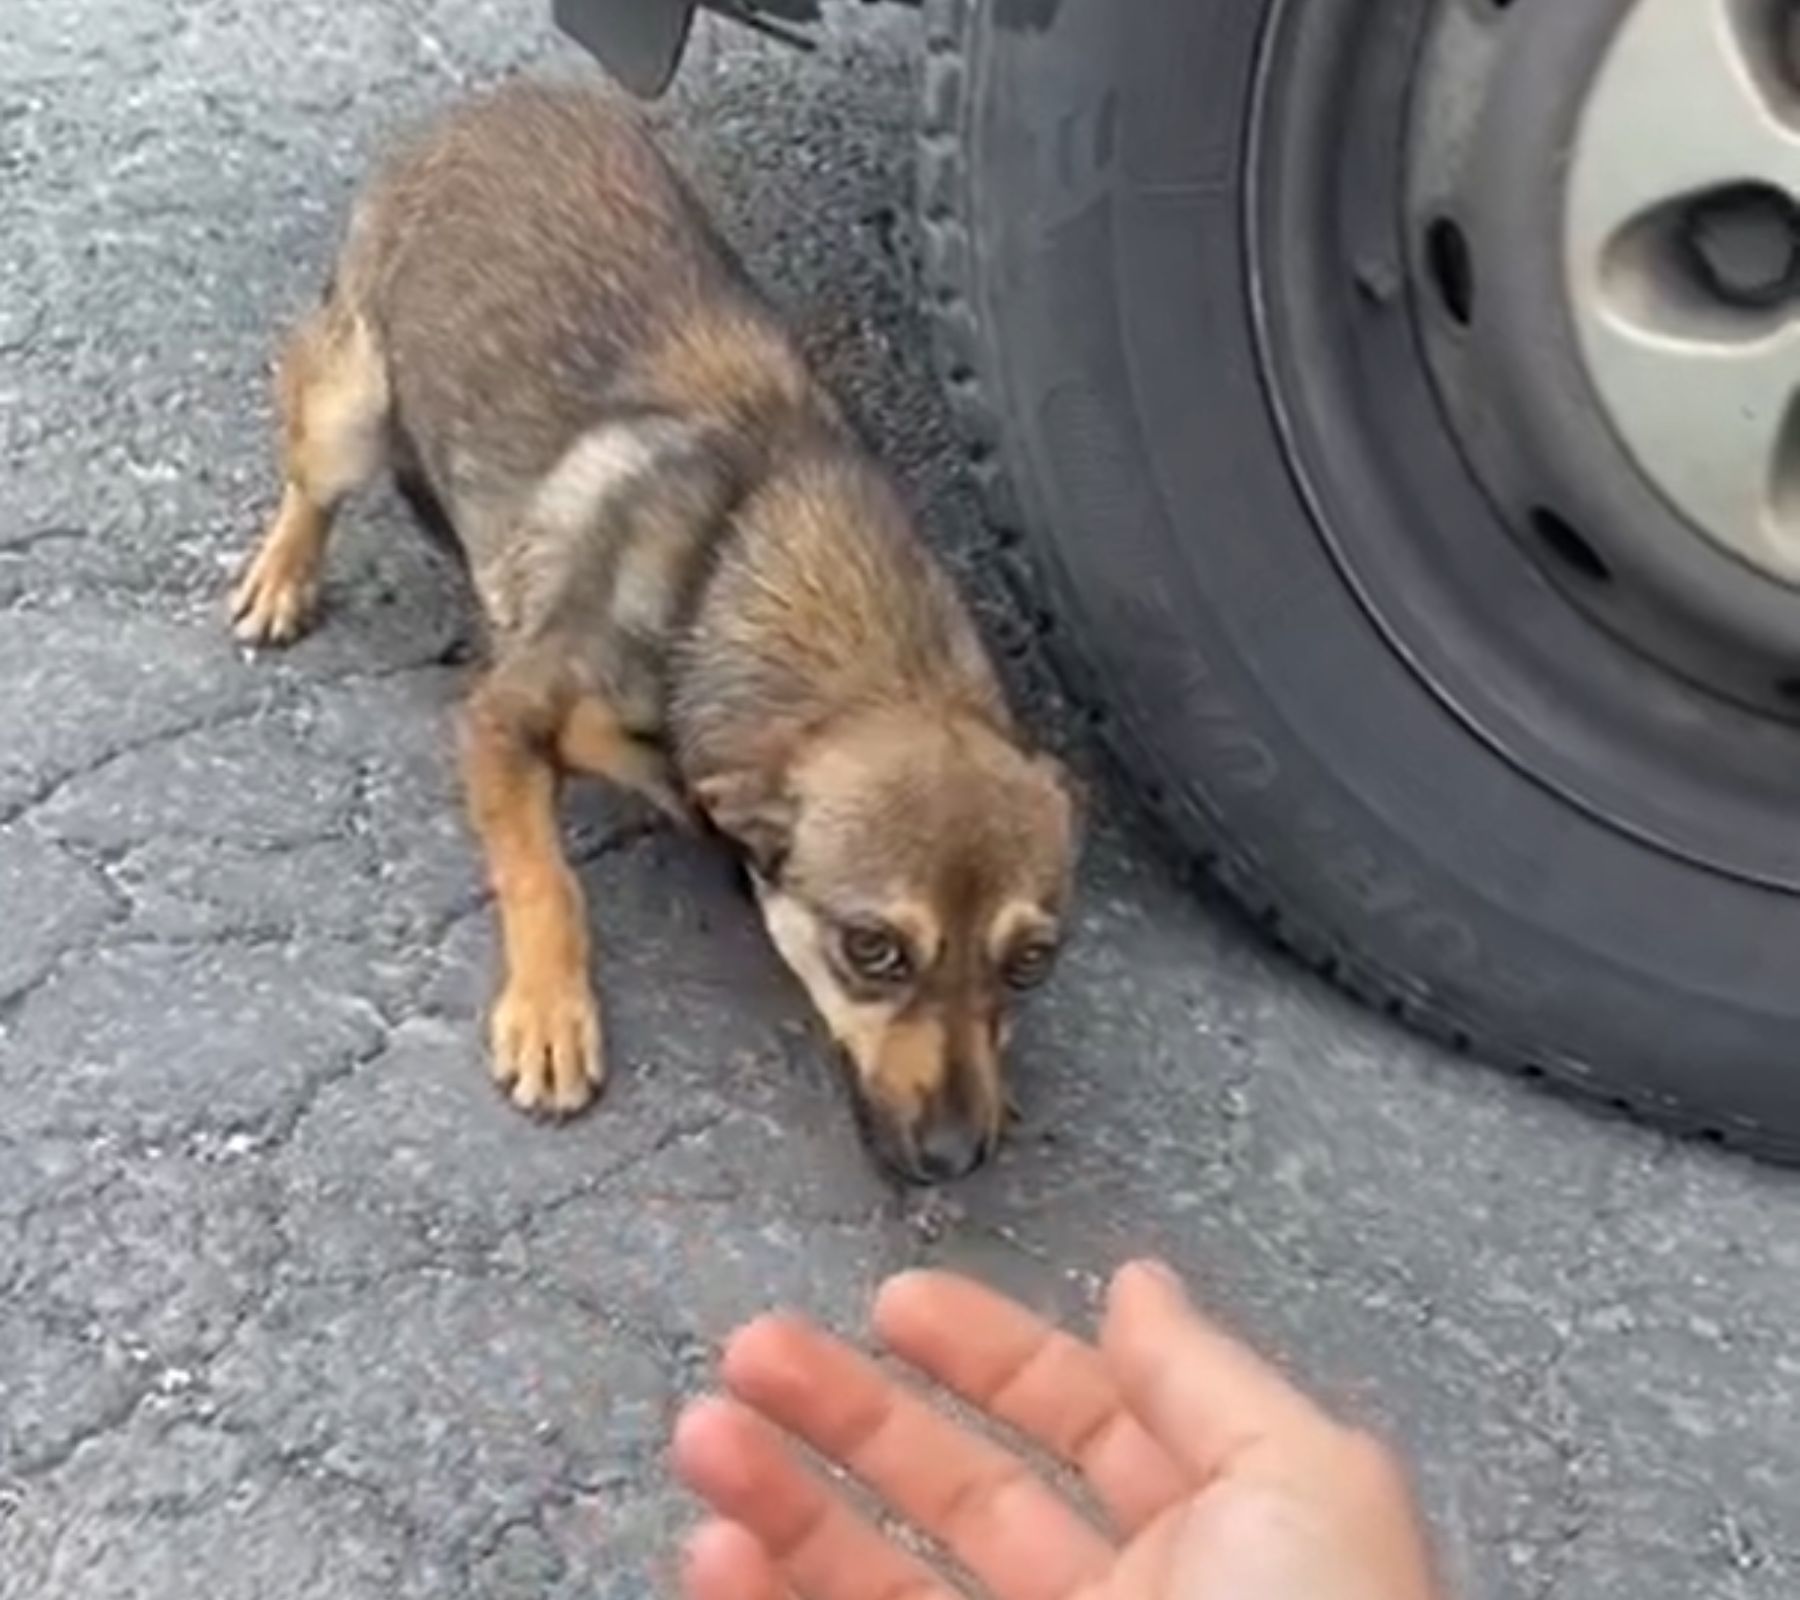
(293, 1308)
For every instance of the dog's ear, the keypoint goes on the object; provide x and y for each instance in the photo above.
(753, 812)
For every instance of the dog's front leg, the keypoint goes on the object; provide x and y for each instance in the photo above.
(545, 1028)
(593, 741)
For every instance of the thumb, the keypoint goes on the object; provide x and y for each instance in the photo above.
(1208, 1399)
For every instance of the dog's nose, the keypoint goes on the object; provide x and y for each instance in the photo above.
(950, 1148)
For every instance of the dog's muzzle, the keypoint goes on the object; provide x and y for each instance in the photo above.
(940, 1147)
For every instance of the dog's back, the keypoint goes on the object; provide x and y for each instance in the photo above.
(534, 267)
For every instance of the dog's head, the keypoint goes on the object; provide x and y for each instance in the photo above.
(915, 876)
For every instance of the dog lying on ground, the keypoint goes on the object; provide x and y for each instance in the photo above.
(695, 583)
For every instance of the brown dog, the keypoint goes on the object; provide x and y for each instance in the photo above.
(696, 584)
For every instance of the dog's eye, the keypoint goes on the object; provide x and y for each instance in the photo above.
(1028, 966)
(876, 954)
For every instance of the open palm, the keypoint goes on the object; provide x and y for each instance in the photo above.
(1215, 1480)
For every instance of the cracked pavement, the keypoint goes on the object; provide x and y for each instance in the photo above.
(291, 1304)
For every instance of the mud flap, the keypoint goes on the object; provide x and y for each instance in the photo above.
(638, 41)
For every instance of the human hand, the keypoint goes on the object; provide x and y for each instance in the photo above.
(1217, 1479)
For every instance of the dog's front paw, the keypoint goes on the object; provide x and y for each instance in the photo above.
(274, 602)
(548, 1053)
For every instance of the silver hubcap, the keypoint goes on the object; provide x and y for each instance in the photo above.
(1683, 230)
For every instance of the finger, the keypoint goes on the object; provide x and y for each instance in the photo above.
(1024, 1372)
(982, 1503)
(727, 1562)
(738, 1464)
(1204, 1396)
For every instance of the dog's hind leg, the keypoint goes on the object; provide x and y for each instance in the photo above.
(545, 1027)
(332, 391)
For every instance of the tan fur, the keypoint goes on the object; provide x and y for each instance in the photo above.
(696, 583)
(940, 829)
(545, 1029)
(331, 387)
(733, 367)
(1015, 922)
(592, 741)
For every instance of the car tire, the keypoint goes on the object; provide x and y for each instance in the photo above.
(1087, 205)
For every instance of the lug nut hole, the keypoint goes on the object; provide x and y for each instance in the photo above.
(1452, 269)
(1742, 246)
(1559, 537)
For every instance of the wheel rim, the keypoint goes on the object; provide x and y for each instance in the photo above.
(1415, 264)
(1684, 266)
(1602, 257)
